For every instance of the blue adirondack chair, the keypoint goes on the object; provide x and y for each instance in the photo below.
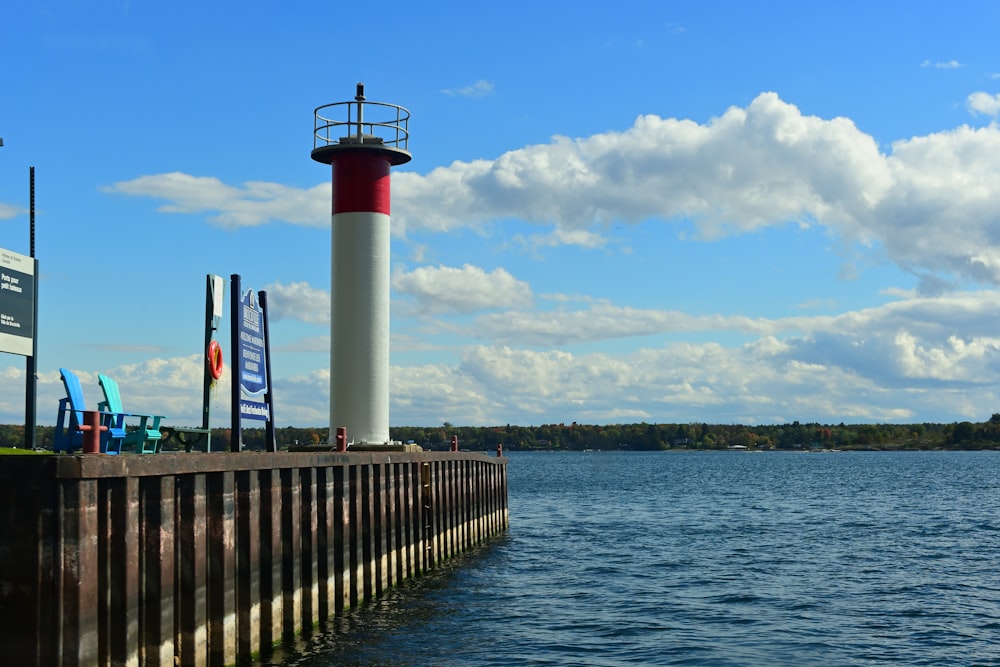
(146, 438)
(68, 436)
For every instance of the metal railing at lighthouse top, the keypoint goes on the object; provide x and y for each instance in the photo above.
(360, 123)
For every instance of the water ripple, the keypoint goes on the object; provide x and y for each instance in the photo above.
(708, 559)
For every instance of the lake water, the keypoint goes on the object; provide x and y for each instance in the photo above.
(709, 558)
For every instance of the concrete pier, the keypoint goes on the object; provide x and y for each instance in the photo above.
(212, 559)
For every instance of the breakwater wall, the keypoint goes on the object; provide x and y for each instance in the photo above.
(212, 559)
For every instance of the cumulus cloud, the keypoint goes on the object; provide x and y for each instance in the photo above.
(303, 400)
(163, 386)
(957, 359)
(916, 358)
(891, 363)
(880, 364)
(871, 365)
(766, 164)
(433, 291)
(298, 301)
(937, 320)
(932, 203)
(600, 322)
(984, 103)
(681, 382)
(942, 214)
(461, 290)
(254, 203)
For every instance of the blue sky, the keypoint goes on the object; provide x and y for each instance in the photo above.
(723, 212)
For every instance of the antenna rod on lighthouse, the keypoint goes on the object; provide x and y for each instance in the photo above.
(360, 99)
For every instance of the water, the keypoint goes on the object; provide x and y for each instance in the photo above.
(714, 558)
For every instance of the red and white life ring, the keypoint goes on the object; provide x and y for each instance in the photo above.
(215, 360)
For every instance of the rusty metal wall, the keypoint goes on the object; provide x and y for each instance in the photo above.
(210, 559)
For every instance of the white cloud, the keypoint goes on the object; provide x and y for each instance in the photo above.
(932, 204)
(255, 203)
(601, 321)
(9, 211)
(480, 88)
(564, 237)
(941, 214)
(766, 164)
(917, 358)
(984, 103)
(303, 400)
(434, 290)
(947, 64)
(298, 301)
(306, 345)
(462, 290)
(957, 359)
(168, 387)
(680, 382)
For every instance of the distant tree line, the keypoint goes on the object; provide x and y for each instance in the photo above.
(647, 437)
(638, 437)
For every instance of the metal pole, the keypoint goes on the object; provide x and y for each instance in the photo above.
(30, 367)
(360, 98)
(235, 304)
(269, 436)
(31, 204)
(211, 325)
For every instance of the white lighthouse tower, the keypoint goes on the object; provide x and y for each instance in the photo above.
(360, 140)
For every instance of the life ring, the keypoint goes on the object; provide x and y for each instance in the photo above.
(215, 360)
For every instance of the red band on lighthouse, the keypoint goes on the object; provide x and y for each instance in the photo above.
(361, 183)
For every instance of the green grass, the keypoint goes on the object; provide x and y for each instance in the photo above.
(18, 451)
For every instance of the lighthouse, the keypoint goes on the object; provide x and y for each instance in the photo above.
(360, 140)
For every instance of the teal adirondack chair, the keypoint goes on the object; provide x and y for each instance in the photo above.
(146, 438)
(68, 436)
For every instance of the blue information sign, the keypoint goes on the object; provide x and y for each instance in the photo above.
(252, 397)
(251, 367)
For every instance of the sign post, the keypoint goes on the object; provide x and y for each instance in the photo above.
(214, 298)
(251, 362)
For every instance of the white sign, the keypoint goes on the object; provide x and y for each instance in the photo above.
(17, 302)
